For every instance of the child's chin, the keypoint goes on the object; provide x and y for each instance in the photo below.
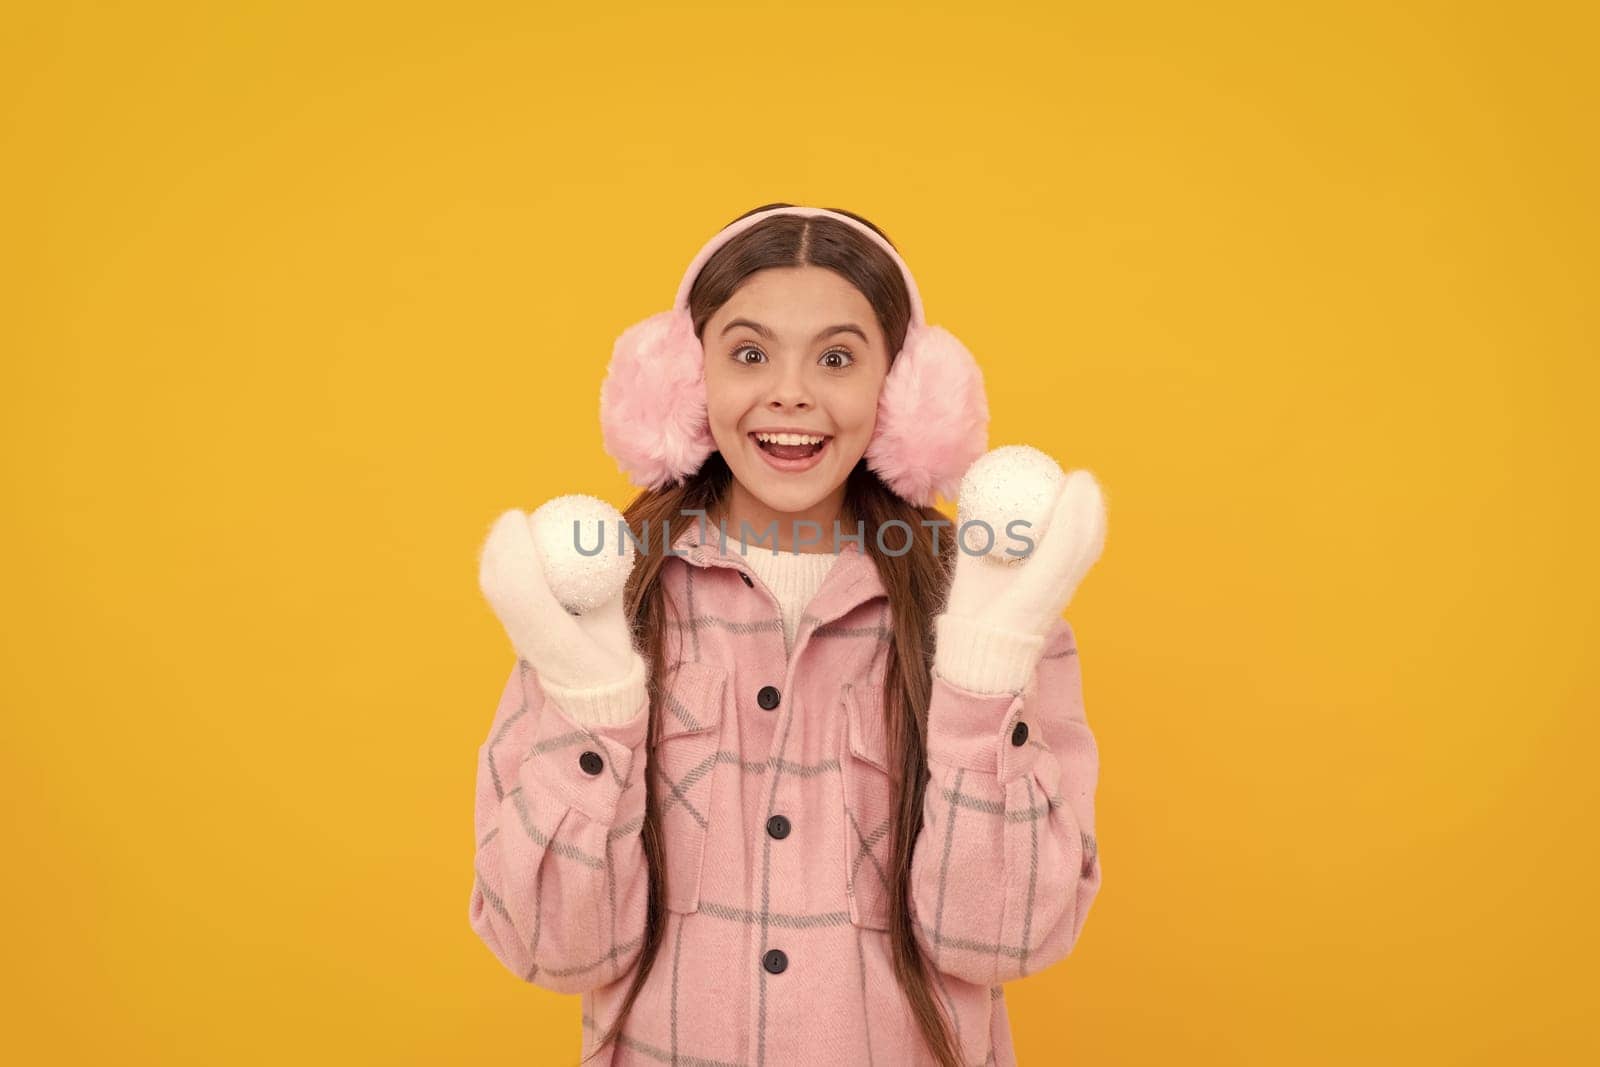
(788, 498)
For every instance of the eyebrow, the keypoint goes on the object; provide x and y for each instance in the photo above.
(845, 327)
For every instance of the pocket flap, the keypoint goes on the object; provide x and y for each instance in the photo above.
(693, 699)
(864, 715)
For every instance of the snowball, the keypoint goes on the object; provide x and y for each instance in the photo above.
(581, 582)
(1006, 484)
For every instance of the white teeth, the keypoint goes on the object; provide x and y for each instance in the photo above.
(788, 439)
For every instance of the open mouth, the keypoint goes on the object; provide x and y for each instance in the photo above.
(791, 451)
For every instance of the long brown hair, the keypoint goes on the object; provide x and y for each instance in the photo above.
(916, 580)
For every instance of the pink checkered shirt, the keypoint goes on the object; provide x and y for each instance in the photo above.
(777, 796)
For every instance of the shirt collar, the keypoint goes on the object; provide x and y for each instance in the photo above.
(852, 581)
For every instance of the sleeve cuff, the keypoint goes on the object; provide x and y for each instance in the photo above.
(982, 658)
(610, 704)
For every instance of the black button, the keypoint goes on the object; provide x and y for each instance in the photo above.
(1019, 733)
(591, 762)
(775, 961)
(768, 697)
(778, 827)
(746, 578)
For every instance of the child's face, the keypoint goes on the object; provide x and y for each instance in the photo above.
(822, 385)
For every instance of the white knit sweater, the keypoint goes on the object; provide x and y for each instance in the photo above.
(793, 577)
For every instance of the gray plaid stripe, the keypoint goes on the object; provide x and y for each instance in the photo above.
(558, 848)
(611, 897)
(787, 920)
(557, 742)
(548, 744)
(611, 769)
(762, 766)
(523, 667)
(611, 956)
(682, 712)
(866, 1015)
(944, 860)
(801, 770)
(494, 775)
(688, 592)
(697, 772)
(494, 899)
(944, 872)
(864, 850)
(661, 1054)
(500, 907)
(677, 954)
(693, 623)
(964, 944)
(572, 739)
(804, 770)
(877, 632)
(997, 807)
(1033, 875)
(533, 943)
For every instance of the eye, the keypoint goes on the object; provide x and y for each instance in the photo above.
(847, 358)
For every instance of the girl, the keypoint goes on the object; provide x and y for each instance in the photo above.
(794, 798)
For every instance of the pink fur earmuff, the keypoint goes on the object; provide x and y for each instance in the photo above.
(933, 415)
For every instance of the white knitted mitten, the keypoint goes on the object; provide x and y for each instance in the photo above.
(996, 617)
(586, 663)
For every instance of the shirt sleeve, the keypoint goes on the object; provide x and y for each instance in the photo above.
(1006, 867)
(560, 884)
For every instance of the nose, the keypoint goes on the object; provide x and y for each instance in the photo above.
(789, 392)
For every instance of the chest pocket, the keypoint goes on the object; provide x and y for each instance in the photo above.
(869, 805)
(684, 762)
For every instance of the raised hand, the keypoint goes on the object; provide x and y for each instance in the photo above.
(1000, 607)
(1068, 519)
(526, 560)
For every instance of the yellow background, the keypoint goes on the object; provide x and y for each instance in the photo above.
(299, 297)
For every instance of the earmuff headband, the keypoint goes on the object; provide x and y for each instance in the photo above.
(734, 229)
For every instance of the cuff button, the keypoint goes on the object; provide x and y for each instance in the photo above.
(1019, 733)
(591, 763)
